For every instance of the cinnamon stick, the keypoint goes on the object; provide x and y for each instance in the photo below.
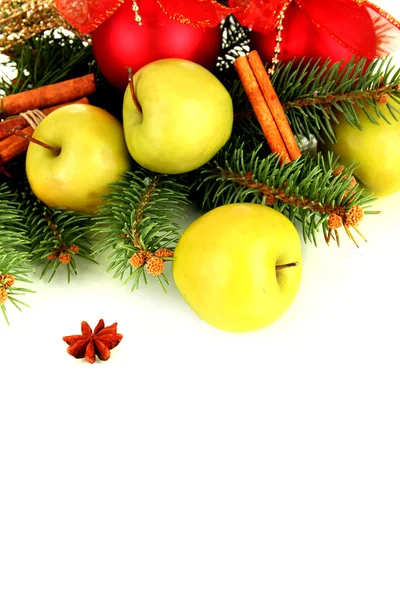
(14, 145)
(48, 95)
(8, 126)
(260, 107)
(274, 104)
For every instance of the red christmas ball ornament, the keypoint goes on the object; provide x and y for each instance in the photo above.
(298, 36)
(139, 33)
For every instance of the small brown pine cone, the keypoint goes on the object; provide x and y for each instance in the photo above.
(269, 200)
(163, 252)
(6, 280)
(138, 259)
(338, 171)
(335, 221)
(53, 256)
(3, 295)
(74, 249)
(154, 265)
(64, 258)
(382, 99)
(352, 181)
(354, 216)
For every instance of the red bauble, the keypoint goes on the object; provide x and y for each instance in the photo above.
(302, 38)
(120, 42)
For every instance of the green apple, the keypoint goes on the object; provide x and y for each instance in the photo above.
(239, 266)
(178, 116)
(91, 155)
(375, 147)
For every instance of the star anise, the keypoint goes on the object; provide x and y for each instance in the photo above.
(91, 343)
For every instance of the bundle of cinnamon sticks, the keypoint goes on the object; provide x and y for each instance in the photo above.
(267, 107)
(47, 99)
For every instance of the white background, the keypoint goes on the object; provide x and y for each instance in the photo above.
(197, 464)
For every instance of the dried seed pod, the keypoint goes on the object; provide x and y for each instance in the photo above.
(138, 259)
(335, 221)
(7, 280)
(64, 258)
(354, 216)
(3, 295)
(164, 253)
(154, 265)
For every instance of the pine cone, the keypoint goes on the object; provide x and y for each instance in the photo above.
(154, 265)
(138, 259)
(163, 252)
(335, 221)
(64, 258)
(7, 280)
(3, 295)
(354, 216)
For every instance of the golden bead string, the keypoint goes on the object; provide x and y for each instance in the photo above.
(278, 39)
(135, 8)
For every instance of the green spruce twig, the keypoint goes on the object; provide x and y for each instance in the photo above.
(316, 99)
(13, 228)
(14, 268)
(313, 95)
(14, 255)
(139, 219)
(46, 59)
(317, 192)
(56, 236)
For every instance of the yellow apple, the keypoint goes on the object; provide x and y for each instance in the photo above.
(91, 155)
(226, 266)
(375, 147)
(184, 116)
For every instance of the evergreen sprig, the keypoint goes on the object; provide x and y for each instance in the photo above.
(17, 266)
(313, 95)
(13, 227)
(140, 214)
(46, 59)
(56, 236)
(308, 190)
(14, 249)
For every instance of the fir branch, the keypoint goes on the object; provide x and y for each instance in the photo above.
(138, 220)
(14, 246)
(313, 95)
(13, 228)
(56, 236)
(46, 59)
(14, 268)
(317, 192)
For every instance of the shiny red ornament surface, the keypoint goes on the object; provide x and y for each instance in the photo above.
(120, 42)
(303, 37)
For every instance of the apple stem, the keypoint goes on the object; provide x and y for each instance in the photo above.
(135, 100)
(292, 264)
(43, 144)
